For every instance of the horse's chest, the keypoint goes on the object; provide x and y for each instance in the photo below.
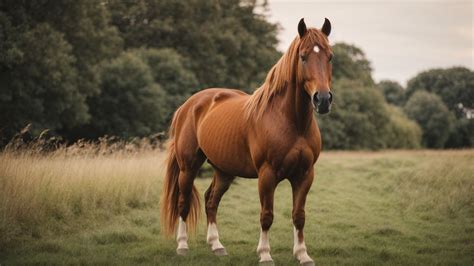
(295, 161)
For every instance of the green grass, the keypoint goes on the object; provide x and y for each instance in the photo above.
(393, 207)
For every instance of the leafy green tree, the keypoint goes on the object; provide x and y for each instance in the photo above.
(433, 117)
(455, 87)
(50, 53)
(393, 92)
(130, 103)
(226, 43)
(357, 120)
(38, 79)
(172, 72)
(84, 24)
(401, 132)
(349, 62)
(462, 134)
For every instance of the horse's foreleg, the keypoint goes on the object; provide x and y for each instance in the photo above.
(266, 188)
(300, 189)
(220, 184)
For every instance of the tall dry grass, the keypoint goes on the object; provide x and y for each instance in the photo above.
(38, 186)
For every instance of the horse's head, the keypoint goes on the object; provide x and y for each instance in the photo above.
(314, 67)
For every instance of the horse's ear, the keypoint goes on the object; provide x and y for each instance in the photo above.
(326, 29)
(302, 28)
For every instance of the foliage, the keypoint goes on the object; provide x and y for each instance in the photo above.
(401, 132)
(360, 114)
(130, 103)
(226, 42)
(85, 68)
(53, 53)
(38, 79)
(462, 134)
(394, 93)
(49, 58)
(433, 117)
(361, 119)
(349, 62)
(455, 87)
(172, 72)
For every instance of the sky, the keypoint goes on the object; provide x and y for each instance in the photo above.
(400, 38)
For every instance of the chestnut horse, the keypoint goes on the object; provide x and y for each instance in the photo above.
(270, 135)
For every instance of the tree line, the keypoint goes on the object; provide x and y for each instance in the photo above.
(85, 69)
(435, 110)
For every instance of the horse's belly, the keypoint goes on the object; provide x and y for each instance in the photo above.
(221, 136)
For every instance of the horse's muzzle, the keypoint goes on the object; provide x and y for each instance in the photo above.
(322, 101)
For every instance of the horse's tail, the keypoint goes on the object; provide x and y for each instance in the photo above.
(169, 211)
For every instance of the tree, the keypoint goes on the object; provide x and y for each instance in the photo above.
(401, 132)
(357, 120)
(393, 92)
(130, 103)
(172, 72)
(361, 118)
(433, 117)
(84, 25)
(226, 43)
(349, 62)
(462, 134)
(50, 56)
(38, 79)
(455, 87)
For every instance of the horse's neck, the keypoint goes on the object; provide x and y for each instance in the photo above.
(296, 106)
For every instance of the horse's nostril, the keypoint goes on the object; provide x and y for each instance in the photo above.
(330, 97)
(316, 97)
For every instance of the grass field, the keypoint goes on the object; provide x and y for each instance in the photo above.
(390, 207)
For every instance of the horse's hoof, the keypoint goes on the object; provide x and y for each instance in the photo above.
(182, 251)
(307, 263)
(220, 252)
(266, 263)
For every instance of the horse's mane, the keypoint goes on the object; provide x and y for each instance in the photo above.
(281, 74)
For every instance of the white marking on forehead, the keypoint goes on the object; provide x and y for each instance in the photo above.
(316, 49)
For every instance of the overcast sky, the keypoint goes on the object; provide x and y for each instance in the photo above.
(400, 38)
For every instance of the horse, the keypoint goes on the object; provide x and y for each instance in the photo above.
(271, 135)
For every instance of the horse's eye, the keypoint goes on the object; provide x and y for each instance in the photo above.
(303, 58)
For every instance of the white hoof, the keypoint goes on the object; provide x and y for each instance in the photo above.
(220, 252)
(307, 263)
(266, 260)
(182, 251)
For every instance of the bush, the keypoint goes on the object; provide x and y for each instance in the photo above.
(357, 118)
(402, 133)
(433, 117)
(130, 103)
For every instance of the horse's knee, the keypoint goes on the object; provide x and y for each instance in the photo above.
(299, 219)
(266, 220)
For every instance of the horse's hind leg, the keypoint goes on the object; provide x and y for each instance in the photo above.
(220, 184)
(189, 167)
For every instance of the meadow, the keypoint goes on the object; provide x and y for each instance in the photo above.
(85, 205)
